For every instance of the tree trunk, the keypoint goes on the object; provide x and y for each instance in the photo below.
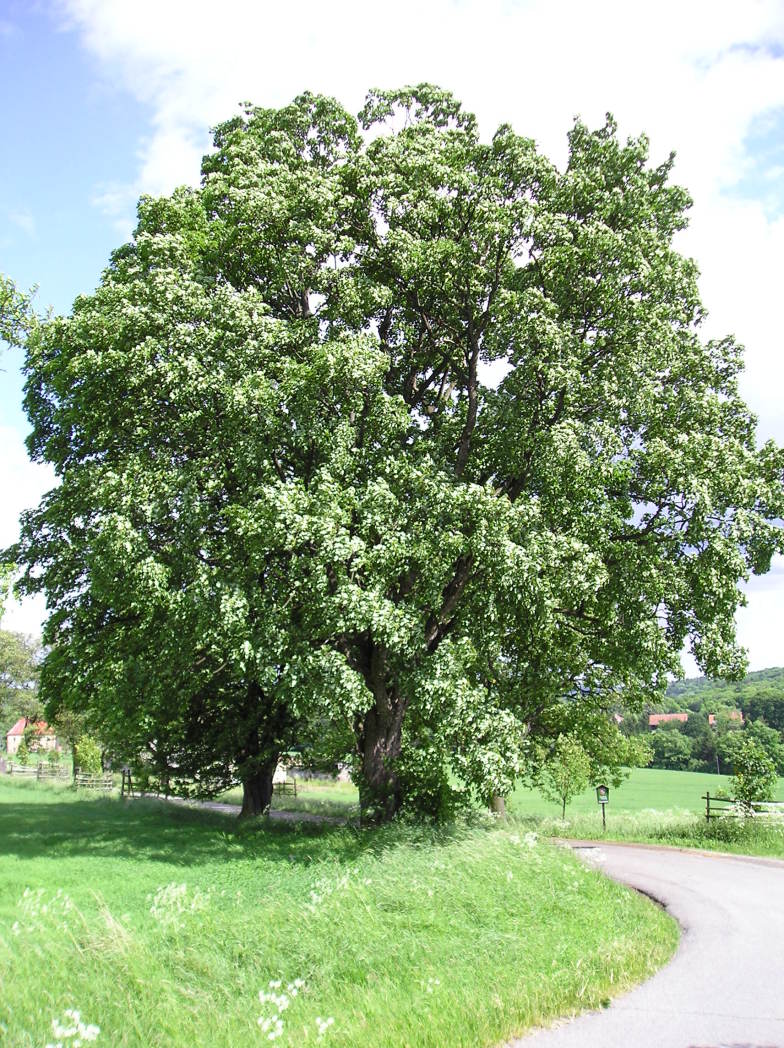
(379, 739)
(257, 789)
(380, 793)
(563, 808)
(498, 805)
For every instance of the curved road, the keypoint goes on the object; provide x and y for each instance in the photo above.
(725, 986)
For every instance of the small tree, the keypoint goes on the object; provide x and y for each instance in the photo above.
(755, 773)
(70, 727)
(30, 738)
(566, 772)
(23, 752)
(88, 755)
(770, 740)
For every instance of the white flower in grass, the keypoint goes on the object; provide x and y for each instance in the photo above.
(73, 1030)
(323, 1025)
(272, 1024)
(431, 985)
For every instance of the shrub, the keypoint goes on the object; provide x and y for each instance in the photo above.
(88, 756)
(755, 773)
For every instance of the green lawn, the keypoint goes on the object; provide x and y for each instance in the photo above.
(318, 796)
(161, 925)
(653, 806)
(646, 788)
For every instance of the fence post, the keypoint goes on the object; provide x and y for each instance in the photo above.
(707, 806)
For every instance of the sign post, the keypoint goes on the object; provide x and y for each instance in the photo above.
(603, 798)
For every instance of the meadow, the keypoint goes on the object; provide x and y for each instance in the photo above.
(651, 806)
(167, 926)
(656, 807)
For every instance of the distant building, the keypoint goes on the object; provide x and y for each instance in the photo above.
(734, 715)
(45, 738)
(655, 719)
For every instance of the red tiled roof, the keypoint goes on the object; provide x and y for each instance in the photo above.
(660, 718)
(41, 727)
(732, 714)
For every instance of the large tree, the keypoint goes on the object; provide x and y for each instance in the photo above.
(15, 312)
(410, 431)
(20, 658)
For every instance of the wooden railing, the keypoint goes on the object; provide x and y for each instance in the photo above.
(42, 770)
(726, 808)
(104, 781)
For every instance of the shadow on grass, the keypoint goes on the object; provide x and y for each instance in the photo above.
(153, 830)
(54, 823)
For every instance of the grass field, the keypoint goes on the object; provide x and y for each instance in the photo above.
(653, 806)
(646, 788)
(161, 925)
(318, 796)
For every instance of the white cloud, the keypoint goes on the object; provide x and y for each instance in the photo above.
(694, 76)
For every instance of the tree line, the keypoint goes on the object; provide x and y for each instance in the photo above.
(698, 745)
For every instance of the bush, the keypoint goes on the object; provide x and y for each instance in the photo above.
(755, 773)
(88, 756)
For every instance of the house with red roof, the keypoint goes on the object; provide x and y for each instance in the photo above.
(655, 719)
(45, 738)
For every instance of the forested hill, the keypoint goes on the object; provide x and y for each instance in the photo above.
(747, 694)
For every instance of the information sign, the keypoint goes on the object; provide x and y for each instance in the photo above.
(603, 797)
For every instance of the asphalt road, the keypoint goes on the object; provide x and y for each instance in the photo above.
(725, 986)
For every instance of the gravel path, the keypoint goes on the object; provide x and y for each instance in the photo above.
(234, 809)
(725, 986)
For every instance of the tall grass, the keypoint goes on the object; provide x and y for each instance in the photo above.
(161, 925)
(684, 829)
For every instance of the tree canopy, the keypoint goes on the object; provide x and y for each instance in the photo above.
(393, 428)
(15, 312)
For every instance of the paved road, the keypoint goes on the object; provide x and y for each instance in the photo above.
(725, 986)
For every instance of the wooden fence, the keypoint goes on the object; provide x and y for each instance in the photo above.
(94, 782)
(726, 808)
(42, 770)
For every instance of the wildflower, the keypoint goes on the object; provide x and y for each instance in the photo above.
(323, 1025)
(72, 1029)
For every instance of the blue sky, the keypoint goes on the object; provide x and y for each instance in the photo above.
(105, 99)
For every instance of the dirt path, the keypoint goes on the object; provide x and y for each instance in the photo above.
(234, 809)
(725, 986)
